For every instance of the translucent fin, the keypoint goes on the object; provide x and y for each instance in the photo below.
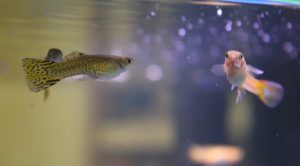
(271, 93)
(254, 70)
(80, 77)
(54, 55)
(46, 94)
(232, 87)
(36, 73)
(240, 94)
(218, 70)
(73, 55)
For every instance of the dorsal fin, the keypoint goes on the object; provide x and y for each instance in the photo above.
(54, 55)
(74, 54)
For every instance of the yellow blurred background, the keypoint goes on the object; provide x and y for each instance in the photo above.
(34, 132)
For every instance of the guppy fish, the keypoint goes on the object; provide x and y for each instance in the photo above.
(41, 74)
(241, 75)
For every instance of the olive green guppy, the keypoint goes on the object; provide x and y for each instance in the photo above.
(41, 74)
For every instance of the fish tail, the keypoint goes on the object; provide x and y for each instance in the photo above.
(37, 74)
(271, 93)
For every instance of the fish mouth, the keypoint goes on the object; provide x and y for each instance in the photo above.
(238, 65)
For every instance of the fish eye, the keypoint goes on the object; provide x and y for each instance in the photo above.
(128, 60)
(226, 55)
(241, 56)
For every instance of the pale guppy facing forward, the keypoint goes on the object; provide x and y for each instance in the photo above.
(41, 74)
(241, 75)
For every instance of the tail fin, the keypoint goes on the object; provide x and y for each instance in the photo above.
(37, 74)
(270, 93)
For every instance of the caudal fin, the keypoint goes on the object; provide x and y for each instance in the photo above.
(37, 74)
(270, 93)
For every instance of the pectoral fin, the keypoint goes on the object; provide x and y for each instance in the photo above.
(218, 70)
(254, 70)
(240, 94)
(232, 87)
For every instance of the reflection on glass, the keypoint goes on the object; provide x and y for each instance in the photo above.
(216, 154)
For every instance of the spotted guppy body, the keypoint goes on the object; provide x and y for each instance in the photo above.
(40, 74)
